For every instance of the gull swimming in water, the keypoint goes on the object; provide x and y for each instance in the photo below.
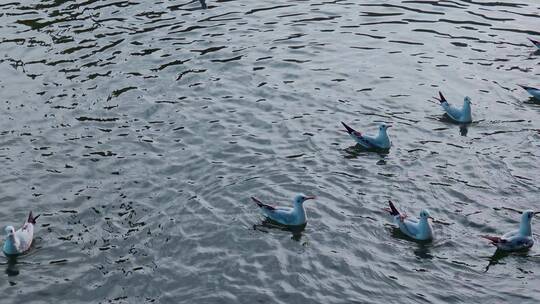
(518, 239)
(417, 229)
(18, 242)
(535, 42)
(462, 115)
(287, 216)
(533, 91)
(381, 141)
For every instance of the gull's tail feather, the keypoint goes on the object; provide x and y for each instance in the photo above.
(31, 218)
(536, 42)
(493, 239)
(393, 210)
(349, 129)
(261, 204)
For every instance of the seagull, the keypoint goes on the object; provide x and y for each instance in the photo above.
(381, 141)
(419, 230)
(518, 239)
(535, 42)
(287, 216)
(18, 242)
(462, 115)
(533, 91)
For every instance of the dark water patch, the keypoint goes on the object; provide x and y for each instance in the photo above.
(209, 50)
(404, 8)
(253, 11)
(228, 59)
(119, 92)
(383, 22)
(406, 42)
(317, 19)
(181, 75)
(376, 14)
(84, 118)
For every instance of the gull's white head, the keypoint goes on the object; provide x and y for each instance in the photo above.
(301, 198)
(384, 127)
(467, 100)
(424, 214)
(525, 225)
(9, 230)
(527, 216)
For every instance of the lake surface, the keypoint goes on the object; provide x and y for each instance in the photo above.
(140, 129)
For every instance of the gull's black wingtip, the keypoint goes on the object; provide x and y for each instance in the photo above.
(441, 96)
(31, 218)
(349, 129)
(393, 209)
(526, 87)
(257, 201)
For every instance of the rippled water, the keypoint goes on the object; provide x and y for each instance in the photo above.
(139, 129)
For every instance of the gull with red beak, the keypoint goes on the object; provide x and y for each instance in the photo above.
(18, 242)
(417, 229)
(520, 239)
(288, 216)
(462, 115)
(381, 141)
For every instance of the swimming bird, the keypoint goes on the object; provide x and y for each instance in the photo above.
(417, 229)
(381, 141)
(288, 216)
(462, 115)
(535, 42)
(19, 241)
(533, 91)
(518, 239)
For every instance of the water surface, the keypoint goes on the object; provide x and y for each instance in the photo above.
(139, 130)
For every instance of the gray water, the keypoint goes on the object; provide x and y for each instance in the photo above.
(139, 130)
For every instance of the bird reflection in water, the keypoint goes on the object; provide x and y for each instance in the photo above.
(12, 269)
(357, 150)
(269, 224)
(499, 255)
(463, 130)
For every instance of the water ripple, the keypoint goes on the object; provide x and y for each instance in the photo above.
(140, 130)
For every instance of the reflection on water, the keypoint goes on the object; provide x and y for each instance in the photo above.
(499, 255)
(267, 223)
(11, 266)
(423, 250)
(463, 130)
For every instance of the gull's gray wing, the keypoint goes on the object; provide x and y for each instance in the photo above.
(452, 111)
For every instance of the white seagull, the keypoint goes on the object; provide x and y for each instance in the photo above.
(533, 91)
(18, 242)
(287, 216)
(518, 239)
(462, 115)
(535, 42)
(381, 141)
(417, 229)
